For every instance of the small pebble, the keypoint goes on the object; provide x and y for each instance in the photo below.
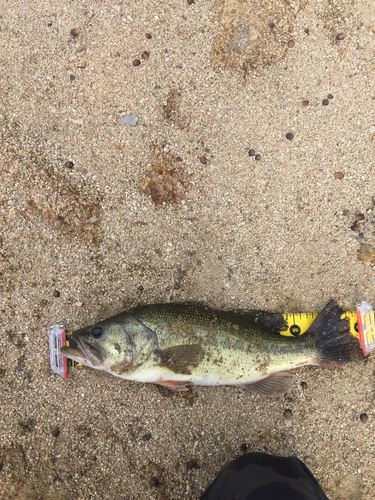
(56, 294)
(131, 436)
(72, 77)
(136, 62)
(131, 120)
(243, 447)
(55, 431)
(154, 482)
(251, 152)
(145, 55)
(340, 36)
(361, 235)
(338, 175)
(329, 96)
(307, 31)
(176, 286)
(148, 36)
(305, 103)
(363, 417)
(179, 159)
(288, 414)
(345, 212)
(146, 437)
(304, 385)
(140, 288)
(290, 136)
(291, 44)
(179, 66)
(325, 102)
(258, 157)
(271, 26)
(203, 160)
(356, 227)
(192, 464)
(69, 164)
(360, 217)
(74, 32)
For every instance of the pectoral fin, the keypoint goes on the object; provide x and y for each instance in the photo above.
(274, 385)
(181, 358)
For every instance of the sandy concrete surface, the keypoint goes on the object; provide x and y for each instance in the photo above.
(128, 224)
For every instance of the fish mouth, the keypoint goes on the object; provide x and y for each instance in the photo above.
(85, 353)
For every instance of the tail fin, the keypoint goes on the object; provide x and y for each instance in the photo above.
(335, 344)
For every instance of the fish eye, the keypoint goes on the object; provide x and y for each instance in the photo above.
(96, 332)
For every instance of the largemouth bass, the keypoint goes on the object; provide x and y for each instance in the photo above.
(176, 345)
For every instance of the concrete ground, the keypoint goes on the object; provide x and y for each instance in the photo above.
(108, 216)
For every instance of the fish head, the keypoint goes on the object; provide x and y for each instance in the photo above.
(118, 345)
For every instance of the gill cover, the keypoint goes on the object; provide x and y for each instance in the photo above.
(141, 341)
(118, 345)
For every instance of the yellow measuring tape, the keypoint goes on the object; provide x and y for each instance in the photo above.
(298, 323)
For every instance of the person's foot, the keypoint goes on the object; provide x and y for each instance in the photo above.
(258, 476)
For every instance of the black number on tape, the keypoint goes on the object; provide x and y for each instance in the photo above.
(295, 330)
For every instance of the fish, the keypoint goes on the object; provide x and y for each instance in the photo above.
(180, 345)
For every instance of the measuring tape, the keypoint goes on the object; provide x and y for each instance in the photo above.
(362, 326)
(299, 323)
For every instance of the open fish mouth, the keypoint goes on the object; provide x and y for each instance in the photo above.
(85, 353)
(74, 353)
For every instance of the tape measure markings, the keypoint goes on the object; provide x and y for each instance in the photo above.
(298, 323)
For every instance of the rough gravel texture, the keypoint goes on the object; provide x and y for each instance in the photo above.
(127, 223)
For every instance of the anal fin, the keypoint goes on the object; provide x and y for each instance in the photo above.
(273, 385)
(173, 385)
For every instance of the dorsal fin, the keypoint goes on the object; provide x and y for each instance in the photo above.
(269, 322)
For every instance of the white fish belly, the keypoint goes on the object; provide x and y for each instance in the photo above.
(230, 368)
